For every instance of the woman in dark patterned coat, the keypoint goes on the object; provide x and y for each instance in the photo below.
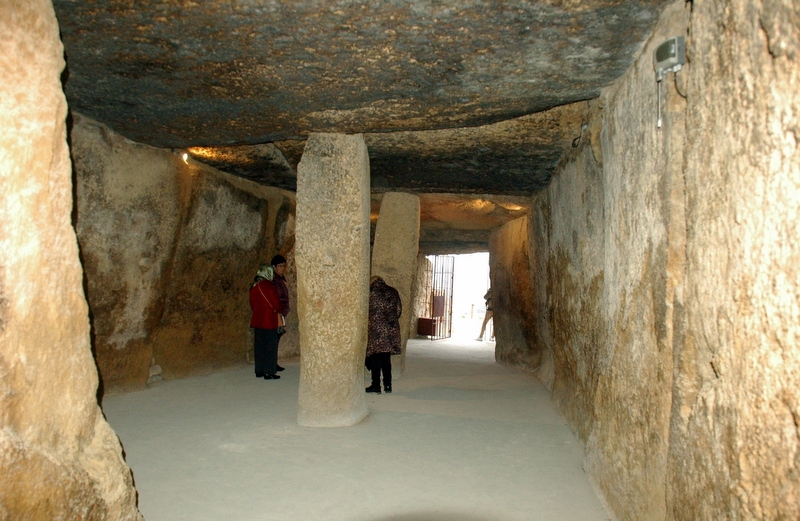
(384, 333)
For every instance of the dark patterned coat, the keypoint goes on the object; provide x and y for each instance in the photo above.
(384, 319)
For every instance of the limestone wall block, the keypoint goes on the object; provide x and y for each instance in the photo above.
(539, 246)
(206, 310)
(60, 459)
(512, 306)
(169, 249)
(735, 440)
(624, 314)
(128, 216)
(575, 275)
(672, 289)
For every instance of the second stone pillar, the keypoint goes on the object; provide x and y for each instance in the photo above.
(394, 253)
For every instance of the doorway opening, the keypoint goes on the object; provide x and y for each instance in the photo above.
(453, 304)
(437, 297)
(470, 283)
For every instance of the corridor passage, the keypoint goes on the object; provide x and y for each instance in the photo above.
(461, 438)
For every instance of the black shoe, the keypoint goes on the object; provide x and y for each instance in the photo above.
(271, 377)
(259, 375)
(387, 389)
(374, 389)
(279, 368)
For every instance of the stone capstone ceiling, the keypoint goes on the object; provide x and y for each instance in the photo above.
(452, 96)
(463, 97)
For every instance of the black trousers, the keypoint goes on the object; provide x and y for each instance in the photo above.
(377, 363)
(265, 350)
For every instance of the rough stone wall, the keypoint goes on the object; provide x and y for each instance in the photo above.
(513, 316)
(128, 215)
(581, 351)
(614, 240)
(673, 292)
(631, 404)
(284, 225)
(59, 457)
(735, 440)
(169, 251)
(539, 245)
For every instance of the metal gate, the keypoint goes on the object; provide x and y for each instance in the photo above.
(439, 297)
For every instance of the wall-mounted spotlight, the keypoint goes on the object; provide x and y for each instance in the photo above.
(668, 57)
(185, 157)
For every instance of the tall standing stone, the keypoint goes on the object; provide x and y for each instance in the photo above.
(394, 251)
(332, 259)
(59, 457)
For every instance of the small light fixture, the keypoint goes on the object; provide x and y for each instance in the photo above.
(668, 57)
(185, 157)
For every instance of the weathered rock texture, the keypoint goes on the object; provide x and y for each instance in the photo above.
(581, 346)
(735, 440)
(419, 299)
(672, 288)
(332, 258)
(264, 164)
(279, 70)
(458, 223)
(59, 457)
(477, 95)
(516, 156)
(394, 252)
(541, 341)
(169, 250)
(513, 315)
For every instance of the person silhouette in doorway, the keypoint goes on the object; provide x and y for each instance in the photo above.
(489, 314)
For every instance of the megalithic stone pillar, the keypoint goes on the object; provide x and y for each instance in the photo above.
(332, 260)
(394, 252)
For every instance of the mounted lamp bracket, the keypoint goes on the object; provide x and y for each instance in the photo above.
(668, 57)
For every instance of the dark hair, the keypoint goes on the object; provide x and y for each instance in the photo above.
(278, 259)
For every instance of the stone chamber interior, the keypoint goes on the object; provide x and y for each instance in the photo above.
(649, 280)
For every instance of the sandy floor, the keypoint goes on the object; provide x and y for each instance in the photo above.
(461, 438)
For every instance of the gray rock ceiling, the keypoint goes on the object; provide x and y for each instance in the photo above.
(456, 96)
(462, 97)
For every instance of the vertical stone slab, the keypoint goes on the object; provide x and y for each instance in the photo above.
(419, 302)
(332, 259)
(735, 435)
(394, 252)
(514, 319)
(539, 246)
(59, 457)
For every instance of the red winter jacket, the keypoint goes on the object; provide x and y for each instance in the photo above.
(265, 303)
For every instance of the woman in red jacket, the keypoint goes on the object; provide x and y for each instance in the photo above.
(265, 303)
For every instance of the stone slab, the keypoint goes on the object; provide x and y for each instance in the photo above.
(332, 260)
